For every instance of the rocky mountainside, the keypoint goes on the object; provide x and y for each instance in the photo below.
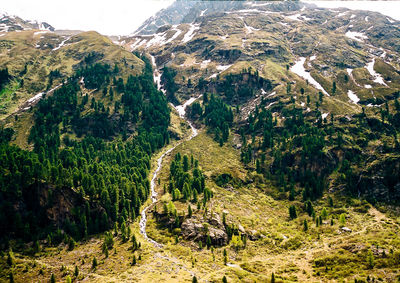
(13, 23)
(321, 46)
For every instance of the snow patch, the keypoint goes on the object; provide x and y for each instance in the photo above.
(135, 43)
(260, 5)
(368, 86)
(294, 17)
(61, 44)
(182, 108)
(350, 72)
(383, 55)
(205, 63)
(390, 20)
(138, 43)
(324, 115)
(358, 36)
(158, 39)
(366, 19)
(41, 32)
(156, 74)
(191, 33)
(377, 77)
(298, 68)
(176, 34)
(37, 97)
(222, 68)
(202, 12)
(353, 97)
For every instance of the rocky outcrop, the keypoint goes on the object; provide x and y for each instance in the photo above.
(197, 229)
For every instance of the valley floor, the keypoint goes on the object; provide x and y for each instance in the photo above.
(324, 253)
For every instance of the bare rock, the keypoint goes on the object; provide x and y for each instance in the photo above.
(193, 229)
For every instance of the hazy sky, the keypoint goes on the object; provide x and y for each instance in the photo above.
(121, 17)
(111, 17)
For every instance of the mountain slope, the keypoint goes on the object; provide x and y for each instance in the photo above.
(269, 36)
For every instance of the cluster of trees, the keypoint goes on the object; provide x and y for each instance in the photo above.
(4, 77)
(186, 180)
(242, 86)
(107, 180)
(168, 79)
(296, 149)
(217, 115)
(302, 151)
(96, 75)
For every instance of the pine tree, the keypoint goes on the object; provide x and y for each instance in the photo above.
(185, 163)
(225, 257)
(194, 280)
(190, 211)
(272, 278)
(305, 224)
(94, 263)
(11, 278)
(370, 259)
(208, 242)
(76, 272)
(292, 212)
(224, 280)
(334, 88)
(291, 193)
(10, 258)
(134, 260)
(52, 278)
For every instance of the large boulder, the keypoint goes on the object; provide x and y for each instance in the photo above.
(197, 229)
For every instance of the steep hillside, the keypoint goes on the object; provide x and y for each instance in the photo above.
(39, 61)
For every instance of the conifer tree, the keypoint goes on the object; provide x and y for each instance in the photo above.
(189, 211)
(11, 277)
(76, 272)
(305, 225)
(94, 263)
